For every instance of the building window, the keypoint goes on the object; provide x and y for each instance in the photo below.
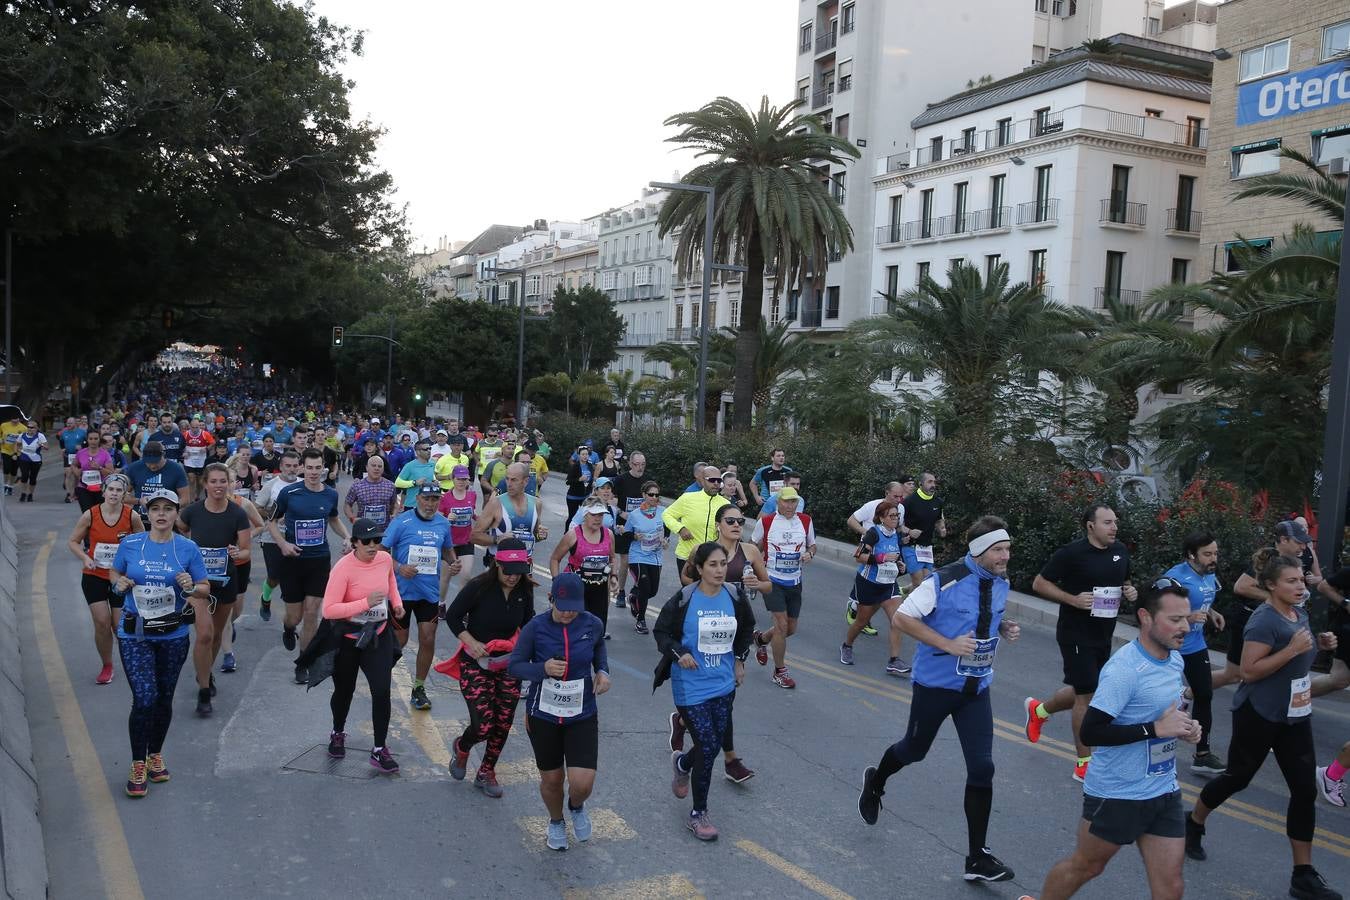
(921, 272)
(1331, 143)
(1195, 129)
(1335, 39)
(736, 313)
(1043, 193)
(1154, 25)
(1042, 6)
(996, 213)
(804, 44)
(991, 263)
(968, 140)
(712, 314)
(1004, 132)
(1181, 271)
(848, 18)
(695, 307)
(892, 282)
(1043, 124)
(1268, 59)
(1260, 158)
(1153, 113)
(794, 301)
(845, 73)
(1185, 204)
(1235, 253)
(841, 126)
(926, 214)
(953, 264)
(1057, 7)
(1039, 260)
(804, 89)
(1120, 192)
(1115, 272)
(935, 149)
(959, 198)
(773, 310)
(832, 302)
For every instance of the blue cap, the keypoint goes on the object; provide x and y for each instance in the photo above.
(603, 480)
(568, 594)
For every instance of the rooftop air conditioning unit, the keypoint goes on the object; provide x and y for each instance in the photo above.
(1338, 166)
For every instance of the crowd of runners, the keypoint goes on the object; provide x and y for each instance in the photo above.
(178, 487)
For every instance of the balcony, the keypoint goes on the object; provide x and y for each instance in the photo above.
(822, 98)
(639, 292)
(826, 42)
(810, 318)
(1184, 222)
(1038, 213)
(897, 162)
(893, 233)
(1121, 213)
(1101, 295)
(682, 335)
(647, 339)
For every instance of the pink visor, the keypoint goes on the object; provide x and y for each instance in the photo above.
(513, 556)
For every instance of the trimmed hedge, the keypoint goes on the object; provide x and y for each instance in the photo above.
(1040, 499)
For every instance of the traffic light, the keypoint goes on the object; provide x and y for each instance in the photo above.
(418, 396)
(337, 335)
(168, 318)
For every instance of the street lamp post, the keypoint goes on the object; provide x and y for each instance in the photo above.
(389, 366)
(9, 310)
(1336, 449)
(520, 343)
(709, 209)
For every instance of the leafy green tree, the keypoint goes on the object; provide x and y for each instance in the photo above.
(832, 389)
(589, 391)
(774, 212)
(984, 340)
(632, 393)
(584, 330)
(679, 391)
(177, 157)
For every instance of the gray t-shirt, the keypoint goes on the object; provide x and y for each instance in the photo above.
(1272, 696)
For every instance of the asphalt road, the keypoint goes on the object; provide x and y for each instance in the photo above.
(254, 809)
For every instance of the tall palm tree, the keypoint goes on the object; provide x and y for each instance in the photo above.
(1314, 188)
(980, 337)
(773, 210)
(779, 353)
(629, 391)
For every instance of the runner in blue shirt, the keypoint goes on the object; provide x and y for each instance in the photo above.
(1130, 793)
(1196, 574)
(72, 439)
(420, 543)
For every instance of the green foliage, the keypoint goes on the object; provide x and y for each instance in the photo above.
(773, 211)
(583, 330)
(588, 392)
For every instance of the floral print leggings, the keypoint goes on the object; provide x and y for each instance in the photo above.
(491, 698)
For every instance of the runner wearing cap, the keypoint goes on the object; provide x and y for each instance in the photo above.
(162, 579)
(422, 549)
(440, 444)
(416, 473)
(95, 540)
(604, 495)
(487, 616)
(154, 471)
(788, 541)
(956, 615)
(459, 505)
(361, 593)
(557, 651)
(703, 655)
(589, 549)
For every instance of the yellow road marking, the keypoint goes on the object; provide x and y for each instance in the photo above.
(1237, 809)
(607, 825)
(110, 841)
(796, 873)
(662, 887)
(424, 729)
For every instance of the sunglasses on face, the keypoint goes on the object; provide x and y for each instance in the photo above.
(653, 493)
(366, 542)
(713, 480)
(730, 521)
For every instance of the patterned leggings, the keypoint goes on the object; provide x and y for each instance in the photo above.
(491, 698)
(152, 669)
(707, 723)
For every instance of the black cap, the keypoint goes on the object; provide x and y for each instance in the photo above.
(365, 529)
(154, 450)
(905, 478)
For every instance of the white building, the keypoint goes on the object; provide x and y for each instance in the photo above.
(868, 67)
(1083, 175)
(635, 271)
(505, 288)
(569, 263)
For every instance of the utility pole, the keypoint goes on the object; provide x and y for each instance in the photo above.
(1336, 448)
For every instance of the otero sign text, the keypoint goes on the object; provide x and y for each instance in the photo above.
(1286, 95)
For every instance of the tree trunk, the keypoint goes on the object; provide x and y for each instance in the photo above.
(747, 338)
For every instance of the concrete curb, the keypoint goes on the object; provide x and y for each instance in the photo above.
(23, 857)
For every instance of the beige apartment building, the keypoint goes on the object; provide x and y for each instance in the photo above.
(1281, 79)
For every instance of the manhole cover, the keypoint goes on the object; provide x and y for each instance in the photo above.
(316, 761)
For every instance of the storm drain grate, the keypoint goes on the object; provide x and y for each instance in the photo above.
(316, 761)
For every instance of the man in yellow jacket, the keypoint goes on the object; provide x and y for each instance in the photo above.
(693, 516)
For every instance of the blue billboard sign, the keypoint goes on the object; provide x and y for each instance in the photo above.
(1320, 87)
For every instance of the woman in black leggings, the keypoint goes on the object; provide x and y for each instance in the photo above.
(1273, 712)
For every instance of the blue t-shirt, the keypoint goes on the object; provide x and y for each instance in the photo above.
(880, 542)
(72, 439)
(771, 505)
(709, 631)
(648, 532)
(306, 514)
(1202, 590)
(415, 541)
(411, 471)
(693, 488)
(172, 442)
(1136, 688)
(170, 476)
(771, 481)
(156, 565)
(279, 435)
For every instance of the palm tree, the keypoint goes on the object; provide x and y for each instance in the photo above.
(1314, 188)
(773, 211)
(683, 361)
(982, 339)
(833, 388)
(630, 391)
(778, 354)
(588, 390)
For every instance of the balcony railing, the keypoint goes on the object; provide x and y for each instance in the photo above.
(645, 339)
(897, 161)
(838, 192)
(810, 318)
(1186, 221)
(682, 335)
(822, 98)
(846, 27)
(640, 292)
(1122, 212)
(804, 45)
(1101, 295)
(1038, 212)
(826, 41)
(893, 233)
(1091, 118)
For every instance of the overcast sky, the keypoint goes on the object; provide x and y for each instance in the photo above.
(511, 110)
